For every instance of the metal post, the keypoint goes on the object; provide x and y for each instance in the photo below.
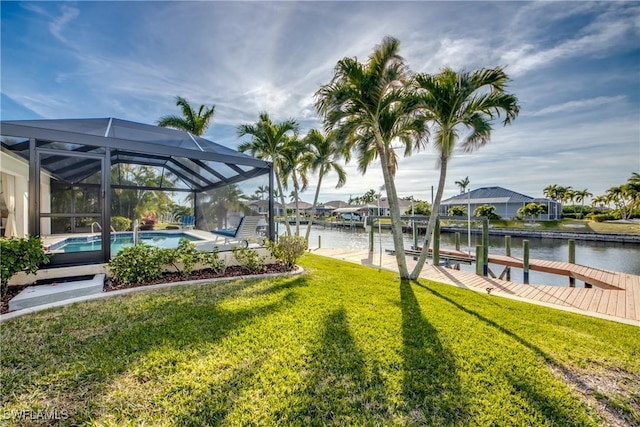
(436, 243)
(479, 257)
(485, 247)
(525, 261)
(572, 260)
(507, 245)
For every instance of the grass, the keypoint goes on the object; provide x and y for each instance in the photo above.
(340, 345)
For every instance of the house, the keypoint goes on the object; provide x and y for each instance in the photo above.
(507, 202)
(261, 207)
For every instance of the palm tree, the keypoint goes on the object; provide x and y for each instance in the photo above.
(454, 101)
(365, 105)
(325, 151)
(295, 160)
(262, 191)
(580, 195)
(266, 143)
(463, 184)
(192, 122)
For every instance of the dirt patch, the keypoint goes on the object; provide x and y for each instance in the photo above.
(113, 285)
(605, 390)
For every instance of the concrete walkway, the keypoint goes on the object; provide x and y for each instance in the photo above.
(601, 303)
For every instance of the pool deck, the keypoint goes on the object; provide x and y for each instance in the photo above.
(621, 304)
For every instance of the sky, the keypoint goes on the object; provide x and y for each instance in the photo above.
(574, 67)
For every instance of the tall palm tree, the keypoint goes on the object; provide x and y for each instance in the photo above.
(325, 151)
(454, 102)
(295, 160)
(196, 123)
(364, 104)
(463, 184)
(267, 141)
(580, 195)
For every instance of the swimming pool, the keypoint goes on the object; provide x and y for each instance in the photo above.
(119, 241)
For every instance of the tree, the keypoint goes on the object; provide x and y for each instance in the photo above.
(454, 102)
(419, 207)
(192, 122)
(266, 143)
(457, 211)
(368, 107)
(294, 162)
(580, 195)
(463, 184)
(325, 151)
(532, 210)
(486, 210)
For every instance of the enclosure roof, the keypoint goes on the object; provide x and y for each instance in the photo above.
(488, 195)
(198, 163)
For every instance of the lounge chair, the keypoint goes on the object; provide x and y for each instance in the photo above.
(188, 222)
(245, 232)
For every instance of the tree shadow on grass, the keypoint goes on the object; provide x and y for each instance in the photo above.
(431, 388)
(550, 405)
(188, 319)
(340, 389)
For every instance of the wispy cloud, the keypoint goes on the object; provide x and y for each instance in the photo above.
(581, 104)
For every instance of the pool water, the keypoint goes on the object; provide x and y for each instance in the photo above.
(120, 241)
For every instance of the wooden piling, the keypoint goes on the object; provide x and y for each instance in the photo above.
(371, 235)
(525, 261)
(479, 258)
(485, 247)
(507, 246)
(572, 260)
(319, 241)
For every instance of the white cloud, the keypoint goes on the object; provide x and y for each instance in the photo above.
(579, 105)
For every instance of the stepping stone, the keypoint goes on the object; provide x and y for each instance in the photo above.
(46, 294)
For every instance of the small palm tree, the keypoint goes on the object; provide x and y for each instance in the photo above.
(580, 196)
(463, 184)
(325, 151)
(456, 101)
(365, 104)
(267, 141)
(295, 160)
(196, 123)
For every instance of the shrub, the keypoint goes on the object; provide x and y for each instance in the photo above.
(457, 211)
(137, 264)
(120, 223)
(249, 259)
(184, 255)
(288, 249)
(601, 217)
(212, 259)
(20, 254)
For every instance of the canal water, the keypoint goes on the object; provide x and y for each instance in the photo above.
(606, 255)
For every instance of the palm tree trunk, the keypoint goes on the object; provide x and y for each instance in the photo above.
(394, 210)
(315, 201)
(297, 200)
(432, 219)
(286, 223)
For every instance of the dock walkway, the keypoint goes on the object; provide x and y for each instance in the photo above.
(619, 302)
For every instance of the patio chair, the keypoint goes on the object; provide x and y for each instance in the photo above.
(244, 233)
(188, 222)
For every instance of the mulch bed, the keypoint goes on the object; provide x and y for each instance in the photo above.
(113, 285)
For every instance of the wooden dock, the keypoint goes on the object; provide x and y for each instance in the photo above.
(616, 298)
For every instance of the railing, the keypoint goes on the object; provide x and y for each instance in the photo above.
(95, 223)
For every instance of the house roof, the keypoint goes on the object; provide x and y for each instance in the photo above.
(487, 195)
(188, 161)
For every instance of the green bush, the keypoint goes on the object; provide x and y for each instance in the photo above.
(137, 264)
(288, 249)
(457, 211)
(20, 254)
(212, 259)
(120, 223)
(184, 255)
(601, 217)
(250, 260)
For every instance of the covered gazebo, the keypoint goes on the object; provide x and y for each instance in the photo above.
(73, 175)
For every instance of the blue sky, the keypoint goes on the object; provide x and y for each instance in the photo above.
(575, 67)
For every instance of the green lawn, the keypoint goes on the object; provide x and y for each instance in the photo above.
(341, 344)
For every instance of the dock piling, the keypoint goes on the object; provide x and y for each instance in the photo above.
(479, 258)
(525, 261)
(572, 260)
(436, 243)
(507, 246)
